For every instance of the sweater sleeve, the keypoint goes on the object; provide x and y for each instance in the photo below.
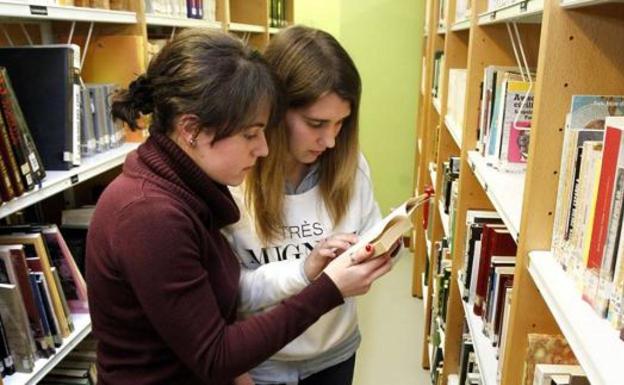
(179, 296)
(269, 284)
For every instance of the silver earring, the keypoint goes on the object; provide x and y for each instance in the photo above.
(193, 142)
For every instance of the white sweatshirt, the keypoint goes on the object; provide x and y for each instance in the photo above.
(273, 272)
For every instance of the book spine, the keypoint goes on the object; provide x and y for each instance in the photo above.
(603, 206)
(32, 154)
(14, 134)
(8, 166)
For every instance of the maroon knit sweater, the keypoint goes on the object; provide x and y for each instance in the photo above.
(163, 281)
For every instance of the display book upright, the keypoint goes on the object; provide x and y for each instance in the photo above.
(572, 53)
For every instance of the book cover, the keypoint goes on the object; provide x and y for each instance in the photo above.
(38, 246)
(17, 328)
(604, 199)
(495, 241)
(545, 349)
(590, 111)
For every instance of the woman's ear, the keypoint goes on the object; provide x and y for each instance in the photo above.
(187, 128)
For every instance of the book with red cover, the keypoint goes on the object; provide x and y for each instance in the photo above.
(600, 226)
(495, 241)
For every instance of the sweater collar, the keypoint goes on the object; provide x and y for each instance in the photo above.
(168, 166)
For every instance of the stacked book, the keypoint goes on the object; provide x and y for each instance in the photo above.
(587, 229)
(40, 288)
(78, 367)
(487, 272)
(277, 14)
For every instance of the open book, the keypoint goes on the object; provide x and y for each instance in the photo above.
(385, 233)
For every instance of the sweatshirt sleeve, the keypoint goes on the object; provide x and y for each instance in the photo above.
(270, 283)
(179, 296)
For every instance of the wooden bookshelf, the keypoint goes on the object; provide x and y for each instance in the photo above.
(573, 44)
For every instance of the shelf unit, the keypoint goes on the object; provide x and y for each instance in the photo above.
(58, 181)
(82, 324)
(573, 44)
(117, 53)
(596, 344)
(25, 11)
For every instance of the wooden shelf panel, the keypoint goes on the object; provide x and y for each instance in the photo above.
(240, 27)
(82, 324)
(183, 22)
(595, 343)
(461, 25)
(505, 190)
(444, 219)
(57, 181)
(24, 10)
(585, 3)
(529, 11)
(454, 129)
(425, 292)
(485, 352)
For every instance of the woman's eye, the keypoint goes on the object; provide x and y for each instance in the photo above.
(250, 136)
(316, 124)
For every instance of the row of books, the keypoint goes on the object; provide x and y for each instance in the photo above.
(52, 129)
(469, 371)
(506, 110)
(486, 275)
(277, 14)
(438, 65)
(118, 5)
(41, 287)
(463, 9)
(77, 368)
(587, 230)
(439, 297)
(456, 96)
(493, 5)
(191, 9)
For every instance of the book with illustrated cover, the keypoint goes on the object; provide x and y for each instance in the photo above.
(546, 349)
(385, 233)
(590, 111)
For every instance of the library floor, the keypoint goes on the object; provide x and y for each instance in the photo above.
(391, 322)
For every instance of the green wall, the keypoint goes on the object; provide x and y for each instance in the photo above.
(384, 38)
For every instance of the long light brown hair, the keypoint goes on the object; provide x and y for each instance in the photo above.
(309, 63)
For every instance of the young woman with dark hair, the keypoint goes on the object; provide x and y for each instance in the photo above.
(304, 202)
(163, 281)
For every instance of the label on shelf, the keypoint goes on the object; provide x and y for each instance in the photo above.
(38, 10)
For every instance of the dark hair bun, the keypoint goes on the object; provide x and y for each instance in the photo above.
(142, 94)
